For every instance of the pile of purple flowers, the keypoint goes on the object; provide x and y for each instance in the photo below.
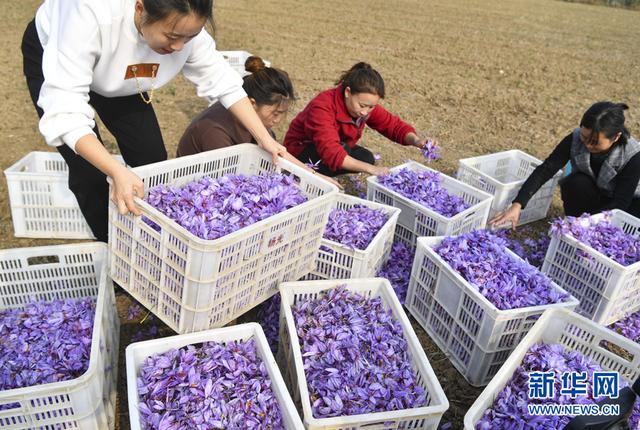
(212, 208)
(431, 151)
(355, 227)
(397, 269)
(507, 282)
(628, 326)
(214, 386)
(355, 186)
(424, 187)
(355, 356)
(526, 244)
(509, 410)
(45, 342)
(269, 317)
(602, 236)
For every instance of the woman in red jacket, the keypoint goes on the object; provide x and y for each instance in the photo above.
(328, 129)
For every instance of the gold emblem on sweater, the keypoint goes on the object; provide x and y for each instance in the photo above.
(143, 70)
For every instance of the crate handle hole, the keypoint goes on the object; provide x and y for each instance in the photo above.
(469, 215)
(7, 406)
(617, 350)
(44, 259)
(378, 425)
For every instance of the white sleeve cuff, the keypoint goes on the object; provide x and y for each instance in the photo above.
(73, 136)
(230, 99)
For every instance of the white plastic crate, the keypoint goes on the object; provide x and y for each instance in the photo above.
(237, 59)
(416, 220)
(574, 333)
(56, 273)
(136, 353)
(42, 205)
(290, 359)
(607, 290)
(194, 284)
(502, 175)
(476, 336)
(338, 261)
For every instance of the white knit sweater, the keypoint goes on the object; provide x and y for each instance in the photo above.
(88, 45)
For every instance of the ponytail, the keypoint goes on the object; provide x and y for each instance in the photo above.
(362, 78)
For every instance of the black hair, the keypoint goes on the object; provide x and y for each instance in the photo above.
(362, 78)
(267, 85)
(157, 10)
(607, 118)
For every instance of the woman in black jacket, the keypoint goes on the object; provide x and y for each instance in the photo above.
(605, 162)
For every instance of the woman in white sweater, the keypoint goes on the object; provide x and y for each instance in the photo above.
(83, 57)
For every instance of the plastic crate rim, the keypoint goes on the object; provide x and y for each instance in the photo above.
(14, 169)
(439, 217)
(18, 394)
(588, 249)
(466, 162)
(347, 198)
(437, 396)
(392, 212)
(548, 317)
(427, 242)
(244, 331)
(159, 218)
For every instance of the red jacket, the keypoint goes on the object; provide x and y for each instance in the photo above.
(325, 122)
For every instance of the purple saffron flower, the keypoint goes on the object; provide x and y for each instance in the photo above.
(269, 317)
(526, 243)
(424, 187)
(45, 342)
(212, 208)
(602, 236)
(431, 151)
(134, 312)
(629, 326)
(508, 283)
(354, 227)
(355, 356)
(212, 386)
(312, 165)
(397, 269)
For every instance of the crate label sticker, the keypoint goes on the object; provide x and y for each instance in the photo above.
(275, 240)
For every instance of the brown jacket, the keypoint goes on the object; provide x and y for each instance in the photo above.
(214, 128)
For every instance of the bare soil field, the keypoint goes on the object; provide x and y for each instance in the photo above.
(481, 76)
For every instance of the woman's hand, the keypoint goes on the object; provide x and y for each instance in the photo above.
(274, 148)
(126, 186)
(419, 142)
(378, 170)
(509, 216)
(354, 165)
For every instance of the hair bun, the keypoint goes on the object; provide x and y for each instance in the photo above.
(254, 64)
(362, 66)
